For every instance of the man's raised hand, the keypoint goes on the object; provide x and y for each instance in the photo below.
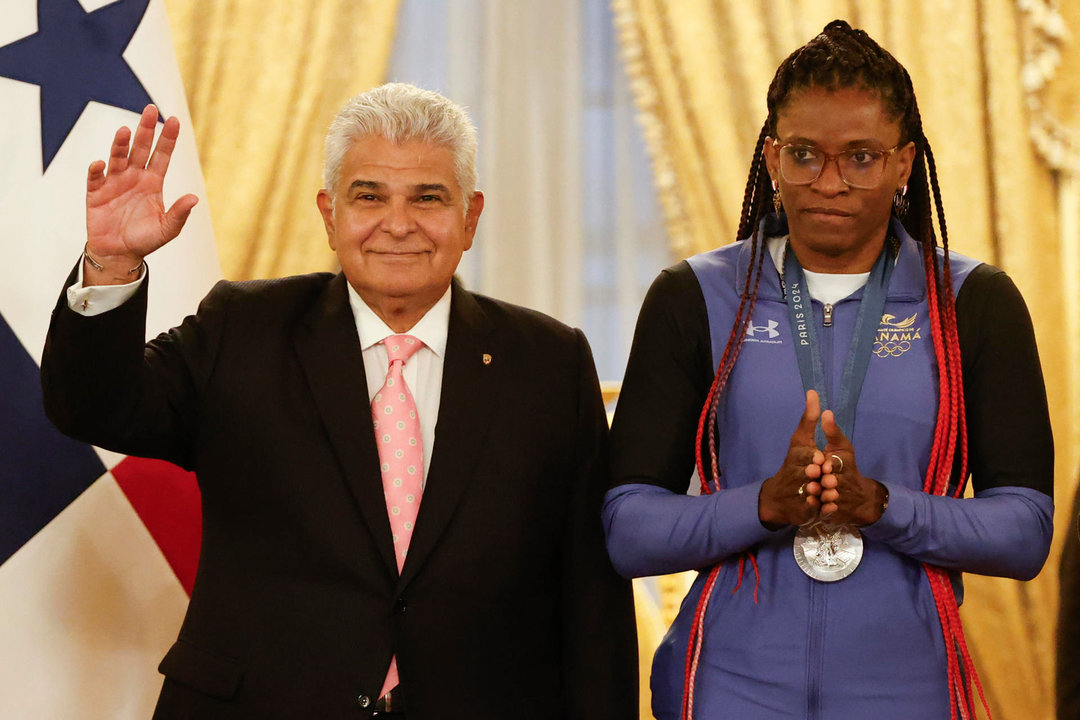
(126, 219)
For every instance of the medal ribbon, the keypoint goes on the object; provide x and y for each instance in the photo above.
(808, 350)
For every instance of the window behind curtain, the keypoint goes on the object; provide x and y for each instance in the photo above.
(572, 226)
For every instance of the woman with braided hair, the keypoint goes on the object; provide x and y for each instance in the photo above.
(834, 375)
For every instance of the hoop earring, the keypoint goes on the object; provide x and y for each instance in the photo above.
(900, 202)
(777, 203)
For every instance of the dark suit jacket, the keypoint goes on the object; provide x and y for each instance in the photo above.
(507, 606)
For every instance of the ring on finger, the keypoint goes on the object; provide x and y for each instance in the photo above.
(802, 490)
(837, 460)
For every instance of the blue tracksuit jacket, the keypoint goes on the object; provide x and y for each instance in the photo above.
(868, 646)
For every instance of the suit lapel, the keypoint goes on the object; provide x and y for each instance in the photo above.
(330, 354)
(469, 394)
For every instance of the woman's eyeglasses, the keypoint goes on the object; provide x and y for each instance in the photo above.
(861, 168)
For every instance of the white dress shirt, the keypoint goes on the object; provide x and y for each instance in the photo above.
(423, 373)
(96, 299)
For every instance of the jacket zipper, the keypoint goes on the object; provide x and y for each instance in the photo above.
(816, 648)
(819, 591)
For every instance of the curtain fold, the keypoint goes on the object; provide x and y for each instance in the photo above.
(264, 80)
(700, 70)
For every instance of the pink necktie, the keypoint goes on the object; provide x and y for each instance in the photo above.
(401, 455)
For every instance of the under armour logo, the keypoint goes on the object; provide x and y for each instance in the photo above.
(770, 328)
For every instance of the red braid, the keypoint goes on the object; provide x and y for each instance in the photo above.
(753, 204)
(950, 436)
(707, 423)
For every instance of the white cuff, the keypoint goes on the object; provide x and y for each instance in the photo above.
(96, 299)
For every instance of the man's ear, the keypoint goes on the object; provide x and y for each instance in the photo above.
(326, 208)
(472, 216)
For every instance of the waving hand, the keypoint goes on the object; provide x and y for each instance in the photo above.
(126, 219)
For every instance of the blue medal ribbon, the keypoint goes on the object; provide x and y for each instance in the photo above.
(808, 350)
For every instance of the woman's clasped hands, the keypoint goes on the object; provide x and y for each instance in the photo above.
(823, 485)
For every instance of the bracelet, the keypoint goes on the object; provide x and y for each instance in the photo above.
(99, 267)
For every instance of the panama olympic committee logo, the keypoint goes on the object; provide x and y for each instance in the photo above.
(895, 337)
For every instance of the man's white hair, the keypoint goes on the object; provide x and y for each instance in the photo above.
(402, 113)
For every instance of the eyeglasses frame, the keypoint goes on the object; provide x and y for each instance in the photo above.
(886, 154)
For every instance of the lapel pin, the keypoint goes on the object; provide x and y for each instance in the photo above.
(486, 358)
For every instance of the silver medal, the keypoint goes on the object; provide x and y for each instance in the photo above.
(828, 552)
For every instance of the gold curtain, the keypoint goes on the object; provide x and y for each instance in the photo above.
(263, 81)
(998, 83)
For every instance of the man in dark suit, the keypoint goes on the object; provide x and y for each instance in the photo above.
(329, 586)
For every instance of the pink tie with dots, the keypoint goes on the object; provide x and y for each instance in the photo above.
(401, 455)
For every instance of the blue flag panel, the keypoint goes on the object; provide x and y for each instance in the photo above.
(77, 57)
(41, 471)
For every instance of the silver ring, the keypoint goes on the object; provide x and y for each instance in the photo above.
(802, 490)
(837, 459)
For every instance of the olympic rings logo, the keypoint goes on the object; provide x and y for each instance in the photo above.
(891, 348)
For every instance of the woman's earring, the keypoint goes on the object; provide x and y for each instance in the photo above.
(777, 204)
(900, 202)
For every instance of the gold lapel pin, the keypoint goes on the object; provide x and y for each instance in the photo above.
(486, 358)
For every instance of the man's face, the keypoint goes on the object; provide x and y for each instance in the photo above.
(398, 223)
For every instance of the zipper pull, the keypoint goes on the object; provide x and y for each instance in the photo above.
(828, 315)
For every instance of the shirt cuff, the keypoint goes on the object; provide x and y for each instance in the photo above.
(97, 299)
(897, 517)
(744, 517)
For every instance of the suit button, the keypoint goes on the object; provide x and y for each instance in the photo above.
(400, 606)
(364, 701)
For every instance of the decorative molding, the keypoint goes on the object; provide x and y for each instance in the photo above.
(1045, 34)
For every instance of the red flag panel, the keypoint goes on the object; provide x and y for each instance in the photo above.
(167, 499)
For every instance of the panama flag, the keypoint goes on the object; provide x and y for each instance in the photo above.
(97, 550)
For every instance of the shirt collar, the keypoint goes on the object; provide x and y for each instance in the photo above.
(908, 279)
(432, 329)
